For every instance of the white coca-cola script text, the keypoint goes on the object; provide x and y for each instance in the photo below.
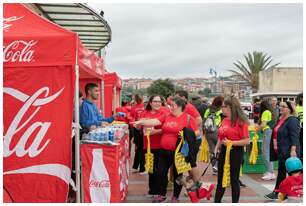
(19, 51)
(17, 124)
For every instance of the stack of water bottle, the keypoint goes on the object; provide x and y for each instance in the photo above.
(111, 133)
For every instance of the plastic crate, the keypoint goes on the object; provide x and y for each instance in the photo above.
(259, 167)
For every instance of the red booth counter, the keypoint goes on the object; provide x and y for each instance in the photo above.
(105, 170)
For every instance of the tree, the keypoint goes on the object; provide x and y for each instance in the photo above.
(161, 87)
(206, 92)
(256, 62)
(127, 93)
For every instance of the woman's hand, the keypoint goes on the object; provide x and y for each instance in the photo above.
(92, 127)
(275, 145)
(216, 152)
(224, 141)
(154, 131)
(137, 124)
(104, 124)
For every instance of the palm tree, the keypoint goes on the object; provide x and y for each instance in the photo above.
(255, 63)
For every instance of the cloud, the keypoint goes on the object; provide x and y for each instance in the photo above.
(185, 40)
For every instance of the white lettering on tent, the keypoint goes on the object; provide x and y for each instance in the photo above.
(16, 125)
(19, 51)
(7, 22)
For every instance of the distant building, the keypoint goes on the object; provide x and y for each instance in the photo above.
(283, 82)
(137, 83)
(144, 83)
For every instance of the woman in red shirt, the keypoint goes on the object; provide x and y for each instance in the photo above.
(171, 125)
(234, 128)
(136, 111)
(153, 110)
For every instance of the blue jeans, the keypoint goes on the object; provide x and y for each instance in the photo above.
(267, 133)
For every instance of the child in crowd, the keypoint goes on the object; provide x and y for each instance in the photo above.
(291, 188)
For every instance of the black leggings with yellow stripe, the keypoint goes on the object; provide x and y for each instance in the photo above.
(236, 158)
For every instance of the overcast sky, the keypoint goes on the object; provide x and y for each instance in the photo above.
(185, 40)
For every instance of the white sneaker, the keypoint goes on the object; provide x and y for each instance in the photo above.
(143, 173)
(134, 170)
(265, 174)
(149, 196)
(268, 176)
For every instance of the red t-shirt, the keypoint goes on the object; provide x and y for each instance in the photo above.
(136, 111)
(237, 132)
(171, 127)
(127, 113)
(154, 139)
(192, 111)
(279, 123)
(164, 109)
(292, 186)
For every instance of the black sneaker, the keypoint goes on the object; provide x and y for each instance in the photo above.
(242, 184)
(272, 196)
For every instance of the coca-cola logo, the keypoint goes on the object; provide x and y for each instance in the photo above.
(99, 184)
(7, 22)
(39, 99)
(16, 125)
(19, 51)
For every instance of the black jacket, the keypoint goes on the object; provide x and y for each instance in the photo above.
(190, 138)
(287, 136)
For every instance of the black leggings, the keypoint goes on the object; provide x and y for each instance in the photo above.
(154, 178)
(281, 175)
(139, 159)
(166, 159)
(236, 157)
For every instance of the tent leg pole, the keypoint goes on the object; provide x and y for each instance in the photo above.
(114, 99)
(102, 95)
(77, 135)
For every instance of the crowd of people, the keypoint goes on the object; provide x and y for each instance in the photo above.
(224, 125)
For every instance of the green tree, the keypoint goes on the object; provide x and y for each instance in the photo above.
(206, 92)
(161, 87)
(256, 62)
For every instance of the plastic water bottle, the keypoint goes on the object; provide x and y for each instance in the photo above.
(90, 135)
(99, 184)
(99, 138)
(96, 136)
(103, 135)
(111, 135)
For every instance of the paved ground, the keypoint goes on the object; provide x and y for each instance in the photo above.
(253, 193)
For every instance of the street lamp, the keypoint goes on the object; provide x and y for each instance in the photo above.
(214, 72)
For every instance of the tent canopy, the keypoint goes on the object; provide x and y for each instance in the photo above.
(112, 78)
(92, 28)
(30, 40)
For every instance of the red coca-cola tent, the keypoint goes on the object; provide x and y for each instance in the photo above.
(41, 64)
(112, 88)
(92, 70)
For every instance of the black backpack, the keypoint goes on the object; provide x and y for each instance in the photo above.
(209, 124)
